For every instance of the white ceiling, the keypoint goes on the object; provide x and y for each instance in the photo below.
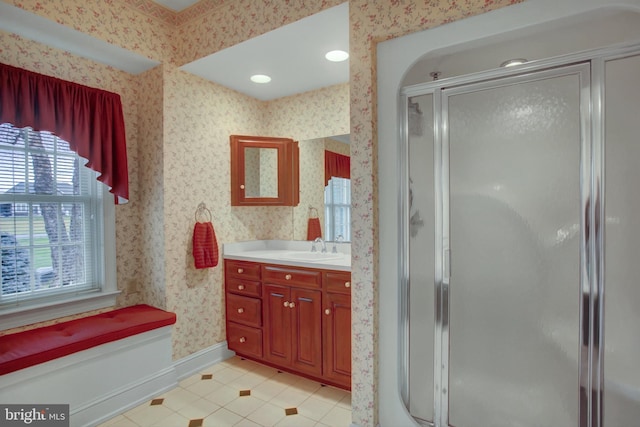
(292, 55)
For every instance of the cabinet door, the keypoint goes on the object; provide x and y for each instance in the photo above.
(337, 338)
(264, 171)
(277, 324)
(307, 330)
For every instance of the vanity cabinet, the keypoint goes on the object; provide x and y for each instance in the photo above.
(264, 171)
(306, 318)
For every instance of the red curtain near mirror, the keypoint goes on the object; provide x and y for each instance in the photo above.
(337, 165)
(89, 119)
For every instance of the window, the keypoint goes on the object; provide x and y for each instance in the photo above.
(337, 209)
(53, 224)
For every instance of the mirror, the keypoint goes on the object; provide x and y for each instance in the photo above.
(260, 172)
(264, 171)
(312, 189)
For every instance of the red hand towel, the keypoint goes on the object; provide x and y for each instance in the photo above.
(205, 245)
(313, 229)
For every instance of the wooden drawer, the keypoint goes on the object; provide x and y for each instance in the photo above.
(338, 281)
(242, 269)
(244, 339)
(245, 310)
(291, 276)
(243, 287)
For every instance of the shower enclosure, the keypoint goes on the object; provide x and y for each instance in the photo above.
(518, 233)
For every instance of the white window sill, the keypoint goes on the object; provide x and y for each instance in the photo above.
(20, 316)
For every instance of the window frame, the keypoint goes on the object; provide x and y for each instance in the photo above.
(35, 311)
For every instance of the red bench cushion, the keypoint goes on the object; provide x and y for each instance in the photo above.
(23, 349)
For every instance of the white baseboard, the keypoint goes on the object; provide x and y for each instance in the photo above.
(202, 359)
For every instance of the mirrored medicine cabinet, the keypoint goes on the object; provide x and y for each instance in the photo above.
(264, 171)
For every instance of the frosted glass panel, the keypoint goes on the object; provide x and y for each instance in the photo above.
(421, 257)
(622, 244)
(515, 255)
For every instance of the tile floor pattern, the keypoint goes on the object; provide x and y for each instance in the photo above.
(241, 393)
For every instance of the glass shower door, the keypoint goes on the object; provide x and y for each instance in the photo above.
(514, 229)
(622, 243)
(421, 283)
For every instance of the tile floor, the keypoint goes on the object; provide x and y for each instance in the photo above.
(242, 393)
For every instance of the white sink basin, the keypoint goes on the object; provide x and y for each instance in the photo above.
(310, 256)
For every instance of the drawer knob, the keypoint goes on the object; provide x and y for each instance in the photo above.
(292, 304)
(241, 287)
(347, 284)
(286, 304)
(287, 277)
(241, 310)
(240, 271)
(242, 186)
(242, 339)
(327, 311)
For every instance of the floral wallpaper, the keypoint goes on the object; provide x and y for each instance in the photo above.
(151, 285)
(178, 127)
(115, 21)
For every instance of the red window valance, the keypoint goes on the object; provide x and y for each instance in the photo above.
(337, 165)
(89, 119)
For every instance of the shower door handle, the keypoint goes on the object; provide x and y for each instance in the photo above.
(447, 263)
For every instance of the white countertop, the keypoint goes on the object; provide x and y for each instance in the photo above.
(290, 252)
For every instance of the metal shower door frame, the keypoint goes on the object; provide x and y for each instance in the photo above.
(590, 67)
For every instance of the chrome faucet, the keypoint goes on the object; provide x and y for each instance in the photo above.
(319, 240)
(339, 239)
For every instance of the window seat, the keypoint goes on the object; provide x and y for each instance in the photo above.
(99, 365)
(24, 349)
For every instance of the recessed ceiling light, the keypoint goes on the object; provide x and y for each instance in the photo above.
(512, 62)
(260, 78)
(337, 55)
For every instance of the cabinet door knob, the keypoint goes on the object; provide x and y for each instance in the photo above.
(292, 304)
(347, 284)
(242, 186)
(286, 303)
(327, 311)
(240, 271)
(287, 277)
(240, 287)
(242, 339)
(241, 310)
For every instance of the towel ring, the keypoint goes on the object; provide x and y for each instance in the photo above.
(311, 209)
(203, 211)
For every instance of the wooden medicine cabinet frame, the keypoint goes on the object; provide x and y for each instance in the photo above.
(287, 173)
